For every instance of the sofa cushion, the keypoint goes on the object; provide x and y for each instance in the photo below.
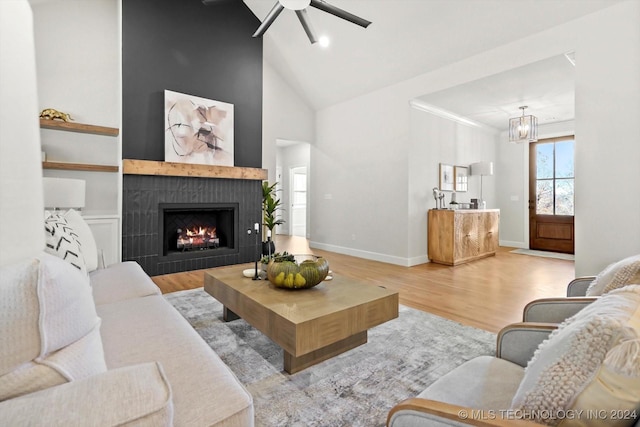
(121, 281)
(593, 353)
(148, 329)
(49, 328)
(62, 241)
(134, 395)
(484, 382)
(616, 275)
(85, 237)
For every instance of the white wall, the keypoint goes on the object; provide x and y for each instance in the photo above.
(436, 140)
(359, 176)
(361, 156)
(78, 71)
(608, 147)
(285, 115)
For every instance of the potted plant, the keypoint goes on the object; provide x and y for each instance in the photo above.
(270, 206)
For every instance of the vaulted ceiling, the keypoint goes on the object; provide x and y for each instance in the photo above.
(409, 38)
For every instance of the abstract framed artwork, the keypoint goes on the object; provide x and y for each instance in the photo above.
(446, 182)
(461, 178)
(197, 130)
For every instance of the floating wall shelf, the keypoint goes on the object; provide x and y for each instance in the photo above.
(78, 127)
(79, 167)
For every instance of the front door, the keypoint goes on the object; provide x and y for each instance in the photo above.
(551, 195)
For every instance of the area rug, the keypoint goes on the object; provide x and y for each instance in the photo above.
(544, 254)
(357, 388)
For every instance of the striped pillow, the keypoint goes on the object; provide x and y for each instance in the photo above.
(63, 242)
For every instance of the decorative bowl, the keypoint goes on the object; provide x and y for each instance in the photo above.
(297, 271)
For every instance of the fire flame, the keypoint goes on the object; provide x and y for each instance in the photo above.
(201, 232)
(198, 237)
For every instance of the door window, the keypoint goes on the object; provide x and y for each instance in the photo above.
(555, 177)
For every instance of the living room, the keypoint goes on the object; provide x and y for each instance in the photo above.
(87, 67)
(289, 115)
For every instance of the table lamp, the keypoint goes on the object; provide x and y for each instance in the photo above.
(64, 193)
(482, 169)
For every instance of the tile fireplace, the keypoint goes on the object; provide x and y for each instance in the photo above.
(177, 223)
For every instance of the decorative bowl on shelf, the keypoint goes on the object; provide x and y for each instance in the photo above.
(297, 271)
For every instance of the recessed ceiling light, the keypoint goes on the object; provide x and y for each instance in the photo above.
(324, 41)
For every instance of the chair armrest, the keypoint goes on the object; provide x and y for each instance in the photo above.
(133, 395)
(554, 310)
(517, 342)
(578, 286)
(417, 411)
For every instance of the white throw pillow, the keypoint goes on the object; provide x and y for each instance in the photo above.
(85, 238)
(616, 275)
(49, 329)
(63, 241)
(590, 360)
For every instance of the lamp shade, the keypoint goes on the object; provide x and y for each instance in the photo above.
(62, 193)
(482, 168)
(21, 222)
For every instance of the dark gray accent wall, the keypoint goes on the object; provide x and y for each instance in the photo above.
(185, 46)
(140, 231)
(205, 51)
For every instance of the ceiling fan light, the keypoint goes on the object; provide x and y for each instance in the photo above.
(523, 128)
(324, 41)
(295, 4)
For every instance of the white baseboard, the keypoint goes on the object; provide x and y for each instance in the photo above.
(510, 244)
(374, 256)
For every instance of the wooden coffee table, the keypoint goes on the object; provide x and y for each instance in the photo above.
(311, 325)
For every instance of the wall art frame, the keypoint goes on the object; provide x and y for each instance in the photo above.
(446, 179)
(198, 130)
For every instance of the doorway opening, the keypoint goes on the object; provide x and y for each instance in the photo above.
(551, 194)
(293, 161)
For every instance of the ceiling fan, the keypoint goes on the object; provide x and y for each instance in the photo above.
(300, 6)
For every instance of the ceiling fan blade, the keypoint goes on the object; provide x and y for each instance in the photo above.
(324, 6)
(277, 8)
(306, 24)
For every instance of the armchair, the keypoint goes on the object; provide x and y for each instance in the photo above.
(476, 392)
(578, 286)
(498, 391)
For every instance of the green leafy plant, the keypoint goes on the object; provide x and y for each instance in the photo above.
(278, 257)
(270, 206)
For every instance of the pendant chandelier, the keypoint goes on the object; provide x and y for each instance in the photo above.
(523, 128)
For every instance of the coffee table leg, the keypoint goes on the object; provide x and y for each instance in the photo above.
(293, 364)
(228, 315)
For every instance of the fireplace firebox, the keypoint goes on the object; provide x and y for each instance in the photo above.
(192, 230)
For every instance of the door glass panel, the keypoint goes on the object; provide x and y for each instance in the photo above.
(544, 197)
(564, 159)
(544, 161)
(299, 182)
(299, 189)
(564, 196)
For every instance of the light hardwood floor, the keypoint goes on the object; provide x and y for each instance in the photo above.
(488, 293)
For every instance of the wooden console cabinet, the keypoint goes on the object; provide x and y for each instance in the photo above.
(459, 236)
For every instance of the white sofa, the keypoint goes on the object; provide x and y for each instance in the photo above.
(159, 370)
